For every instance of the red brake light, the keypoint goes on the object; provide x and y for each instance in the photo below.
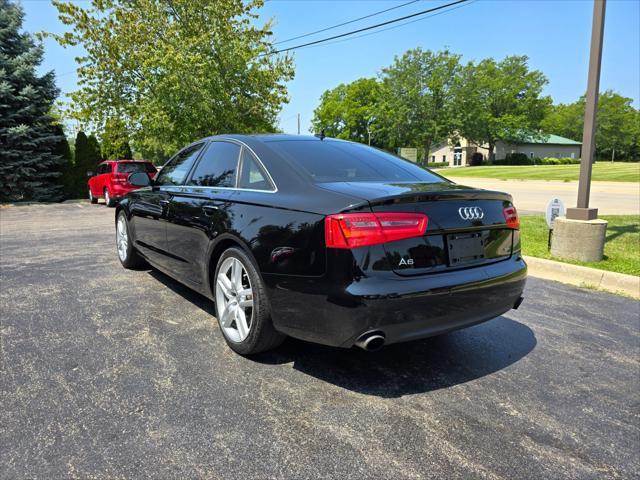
(120, 177)
(352, 230)
(511, 216)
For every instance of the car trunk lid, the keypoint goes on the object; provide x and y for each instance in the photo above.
(466, 226)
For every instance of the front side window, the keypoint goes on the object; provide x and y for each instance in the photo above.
(252, 175)
(174, 172)
(218, 165)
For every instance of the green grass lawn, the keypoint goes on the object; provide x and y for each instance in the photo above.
(602, 171)
(621, 250)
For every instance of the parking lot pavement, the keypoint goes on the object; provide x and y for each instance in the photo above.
(108, 373)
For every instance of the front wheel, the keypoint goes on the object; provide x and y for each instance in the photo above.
(242, 308)
(129, 257)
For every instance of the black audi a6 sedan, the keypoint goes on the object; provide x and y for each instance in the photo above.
(324, 240)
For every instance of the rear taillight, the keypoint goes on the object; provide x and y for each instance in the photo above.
(511, 216)
(352, 230)
(120, 177)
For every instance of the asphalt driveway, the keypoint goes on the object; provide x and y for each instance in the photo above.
(108, 373)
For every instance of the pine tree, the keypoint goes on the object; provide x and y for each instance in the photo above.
(29, 168)
(81, 165)
(67, 173)
(95, 154)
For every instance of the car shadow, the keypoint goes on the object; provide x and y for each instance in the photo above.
(401, 369)
(412, 367)
(185, 292)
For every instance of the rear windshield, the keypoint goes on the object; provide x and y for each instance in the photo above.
(331, 161)
(132, 167)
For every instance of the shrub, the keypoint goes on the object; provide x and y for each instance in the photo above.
(550, 161)
(514, 159)
(559, 161)
(476, 159)
(437, 164)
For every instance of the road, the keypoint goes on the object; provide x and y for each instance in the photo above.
(108, 373)
(610, 198)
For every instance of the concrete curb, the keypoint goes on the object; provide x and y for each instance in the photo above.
(584, 276)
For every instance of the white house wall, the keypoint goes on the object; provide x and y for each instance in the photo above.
(538, 150)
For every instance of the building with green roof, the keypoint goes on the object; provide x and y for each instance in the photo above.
(540, 146)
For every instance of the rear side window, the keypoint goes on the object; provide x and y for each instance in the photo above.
(218, 165)
(253, 175)
(107, 168)
(174, 172)
(131, 167)
(334, 161)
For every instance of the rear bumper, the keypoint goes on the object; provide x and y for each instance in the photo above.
(321, 311)
(119, 191)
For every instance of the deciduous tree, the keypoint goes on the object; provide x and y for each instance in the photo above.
(175, 70)
(417, 106)
(617, 128)
(115, 140)
(348, 111)
(500, 101)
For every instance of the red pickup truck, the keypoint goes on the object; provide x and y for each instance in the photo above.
(111, 179)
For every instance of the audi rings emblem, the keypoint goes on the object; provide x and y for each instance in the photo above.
(470, 213)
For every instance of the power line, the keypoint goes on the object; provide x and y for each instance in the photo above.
(469, 2)
(364, 29)
(345, 23)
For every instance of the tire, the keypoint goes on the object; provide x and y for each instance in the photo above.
(256, 334)
(127, 254)
(109, 202)
(92, 199)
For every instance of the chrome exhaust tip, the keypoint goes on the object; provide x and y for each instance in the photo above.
(371, 341)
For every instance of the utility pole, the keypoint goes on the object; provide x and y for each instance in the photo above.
(582, 210)
(581, 234)
(298, 124)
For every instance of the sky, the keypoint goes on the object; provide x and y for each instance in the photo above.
(554, 34)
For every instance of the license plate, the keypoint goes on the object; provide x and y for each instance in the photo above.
(465, 248)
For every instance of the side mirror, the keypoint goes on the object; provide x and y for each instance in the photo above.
(90, 173)
(139, 179)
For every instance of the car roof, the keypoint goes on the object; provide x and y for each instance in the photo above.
(266, 137)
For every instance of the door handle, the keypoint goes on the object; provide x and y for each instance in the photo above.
(209, 209)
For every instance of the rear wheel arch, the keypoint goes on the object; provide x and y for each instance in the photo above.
(224, 242)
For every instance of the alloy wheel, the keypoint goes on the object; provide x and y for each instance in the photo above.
(122, 238)
(107, 200)
(234, 300)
